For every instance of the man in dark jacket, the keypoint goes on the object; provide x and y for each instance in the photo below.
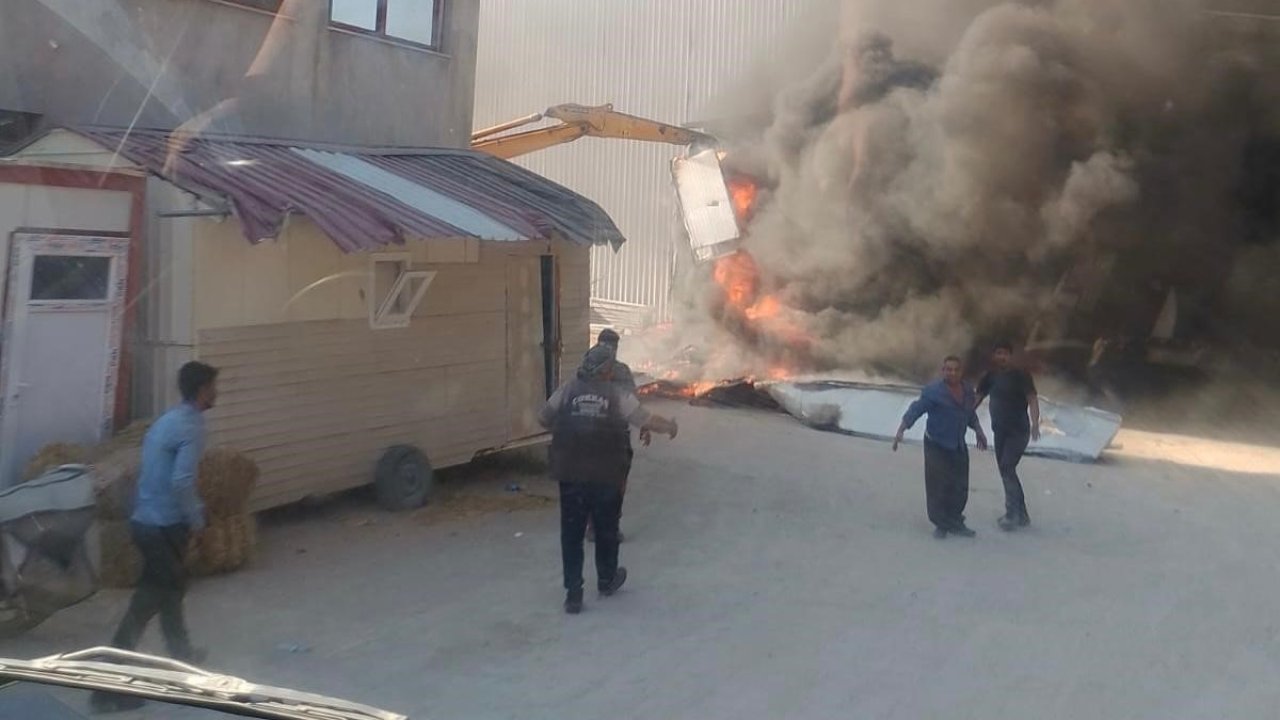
(588, 418)
(949, 403)
(1015, 422)
(626, 383)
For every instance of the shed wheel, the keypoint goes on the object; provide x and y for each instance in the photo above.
(403, 478)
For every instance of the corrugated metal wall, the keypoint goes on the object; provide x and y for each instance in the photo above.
(662, 59)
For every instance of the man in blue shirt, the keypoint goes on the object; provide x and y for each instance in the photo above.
(167, 511)
(950, 404)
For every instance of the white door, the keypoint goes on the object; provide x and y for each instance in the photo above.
(60, 351)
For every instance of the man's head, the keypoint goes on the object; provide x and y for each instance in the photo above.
(199, 384)
(597, 364)
(609, 337)
(1002, 355)
(952, 369)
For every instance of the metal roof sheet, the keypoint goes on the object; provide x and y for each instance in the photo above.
(366, 198)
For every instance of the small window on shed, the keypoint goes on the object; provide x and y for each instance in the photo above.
(395, 291)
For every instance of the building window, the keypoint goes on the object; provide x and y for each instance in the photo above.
(395, 291)
(413, 21)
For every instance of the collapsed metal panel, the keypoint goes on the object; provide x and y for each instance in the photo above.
(1067, 432)
(706, 209)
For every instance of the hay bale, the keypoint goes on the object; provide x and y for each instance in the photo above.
(115, 483)
(53, 455)
(225, 545)
(226, 479)
(120, 563)
(132, 434)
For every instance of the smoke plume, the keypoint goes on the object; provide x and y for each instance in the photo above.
(930, 182)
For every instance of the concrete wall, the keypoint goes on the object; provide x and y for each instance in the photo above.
(158, 63)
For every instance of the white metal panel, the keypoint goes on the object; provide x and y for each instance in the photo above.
(1067, 432)
(163, 337)
(709, 217)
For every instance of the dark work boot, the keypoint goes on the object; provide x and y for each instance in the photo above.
(940, 533)
(614, 585)
(1008, 523)
(573, 602)
(962, 530)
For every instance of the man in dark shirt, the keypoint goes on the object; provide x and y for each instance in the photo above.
(625, 382)
(1013, 397)
(949, 403)
(588, 418)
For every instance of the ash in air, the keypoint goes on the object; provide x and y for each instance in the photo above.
(959, 171)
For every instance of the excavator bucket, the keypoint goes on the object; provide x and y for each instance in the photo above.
(706, 208)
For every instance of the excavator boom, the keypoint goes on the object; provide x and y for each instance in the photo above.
(579, 121)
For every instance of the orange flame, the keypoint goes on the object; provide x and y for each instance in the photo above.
(767, 308)
(739, 277)
(743, 193)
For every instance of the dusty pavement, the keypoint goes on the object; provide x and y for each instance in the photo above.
(778, 572)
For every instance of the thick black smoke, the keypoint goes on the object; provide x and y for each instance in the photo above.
(930, 184)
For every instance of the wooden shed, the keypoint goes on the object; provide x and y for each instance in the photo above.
(355, 299)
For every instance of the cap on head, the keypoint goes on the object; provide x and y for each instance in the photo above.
(608, 336)
(597, 362)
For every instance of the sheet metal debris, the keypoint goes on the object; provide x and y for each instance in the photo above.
(1067, 432)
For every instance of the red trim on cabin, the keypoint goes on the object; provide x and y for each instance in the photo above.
(137, 187)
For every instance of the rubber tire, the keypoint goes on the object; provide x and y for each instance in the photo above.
(403, 479)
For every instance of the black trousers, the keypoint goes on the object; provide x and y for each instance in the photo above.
(946, 484)
(1009, 448)
(600, 503)
(160, 589)
(622, 486)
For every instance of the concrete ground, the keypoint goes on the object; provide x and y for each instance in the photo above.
(777, 571)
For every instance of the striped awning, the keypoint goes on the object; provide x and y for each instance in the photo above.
(367, 198)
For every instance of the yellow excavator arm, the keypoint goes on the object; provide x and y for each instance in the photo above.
(578, 121)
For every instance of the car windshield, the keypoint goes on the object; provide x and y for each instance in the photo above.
(803, 359)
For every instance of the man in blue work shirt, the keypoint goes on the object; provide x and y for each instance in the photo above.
(167, 511)
(950, 404)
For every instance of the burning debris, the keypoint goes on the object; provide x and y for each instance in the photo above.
(742, 393)
(922, 193)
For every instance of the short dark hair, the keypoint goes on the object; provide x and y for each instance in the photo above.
(952, 358)
(608, 336)
(1004, 345)
(194, 377)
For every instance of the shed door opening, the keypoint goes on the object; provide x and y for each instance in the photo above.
(552, 344)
